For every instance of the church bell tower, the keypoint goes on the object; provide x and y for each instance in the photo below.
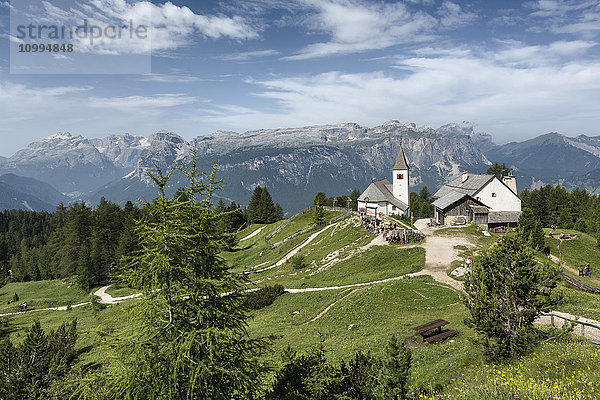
(400, 181)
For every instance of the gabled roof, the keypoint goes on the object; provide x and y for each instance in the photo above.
(449, 199)
(453, 197)
(381, 191)
(473, 184)
(401, 160)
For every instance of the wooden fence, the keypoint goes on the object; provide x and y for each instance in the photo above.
(585, 328)
(333, 220)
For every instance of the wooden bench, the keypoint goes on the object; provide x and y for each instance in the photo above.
(437, 324)
(439, 336)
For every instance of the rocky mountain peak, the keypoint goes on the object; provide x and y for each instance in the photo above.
(167, 136)
(54, 145)
(465, 128)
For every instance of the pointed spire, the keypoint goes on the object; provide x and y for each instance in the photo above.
(401, 160)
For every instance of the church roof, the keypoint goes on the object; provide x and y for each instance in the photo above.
(473, 184)
(381, 191)
(401, 160)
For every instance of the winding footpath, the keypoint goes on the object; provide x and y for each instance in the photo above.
(440, 251)
(294, 251)
(256, 232)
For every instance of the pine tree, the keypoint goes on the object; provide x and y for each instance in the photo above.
(193, 342)
(395, 369)
(29, 369)
(319, 217)
(499, 170)
(267, 208)
(253, 206)
(530, 230)
(320, 199)
(278, 212)
(261, 209)
(84, 269)
(507, 291)
(354, 196)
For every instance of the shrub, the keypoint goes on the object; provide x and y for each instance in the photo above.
(263, 297)
(507, 291)
(96, 305)
(298, 261)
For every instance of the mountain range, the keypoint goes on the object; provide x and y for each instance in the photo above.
(293, 163)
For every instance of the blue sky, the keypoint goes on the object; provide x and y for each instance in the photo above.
(514, 69)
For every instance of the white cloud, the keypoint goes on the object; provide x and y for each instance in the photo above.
(163, 27)
(247, 55)
(499, 95)
(356, 26)
(549, 8)
(20, 102)
(519, 54)
(142, 103)
(569, 16)
(452, 15)
(11, 92)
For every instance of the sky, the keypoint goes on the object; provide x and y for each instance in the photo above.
(515, 69)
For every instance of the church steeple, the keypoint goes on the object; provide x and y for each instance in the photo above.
(400, 179)
(401, 161)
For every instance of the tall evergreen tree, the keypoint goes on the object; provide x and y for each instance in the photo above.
(530, 230)
(320, 199)
(261, 209)
(194, 342)
(85, 276)
(267, 208)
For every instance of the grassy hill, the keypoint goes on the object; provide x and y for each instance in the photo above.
(358, 317)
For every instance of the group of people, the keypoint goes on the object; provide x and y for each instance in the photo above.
(23, 306)
(585, 271)
(376, 225)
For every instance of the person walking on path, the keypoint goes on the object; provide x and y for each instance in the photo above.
(468, 262)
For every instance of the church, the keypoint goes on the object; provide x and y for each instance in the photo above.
(383, 197)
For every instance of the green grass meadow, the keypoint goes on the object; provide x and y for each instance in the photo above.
(357, 318)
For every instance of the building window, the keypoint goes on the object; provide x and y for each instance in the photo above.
(493, 194)
(393, 208)
(478, 198)
(399, 176)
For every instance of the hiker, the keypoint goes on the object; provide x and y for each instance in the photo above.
(25, 306)
(468, 262)
(588, 271)
(580, 269)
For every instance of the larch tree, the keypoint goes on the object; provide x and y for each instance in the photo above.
(193, 341)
